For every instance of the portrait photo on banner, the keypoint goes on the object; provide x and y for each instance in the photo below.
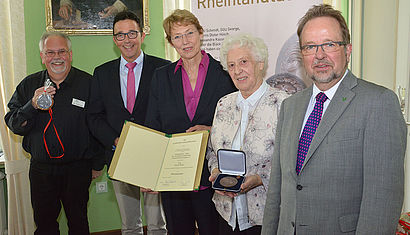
(87, 17)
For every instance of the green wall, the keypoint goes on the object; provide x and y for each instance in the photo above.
(89, 52)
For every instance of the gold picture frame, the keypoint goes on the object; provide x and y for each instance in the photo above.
(84, 21)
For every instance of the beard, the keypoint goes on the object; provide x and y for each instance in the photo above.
(331, 77)
(59, 70)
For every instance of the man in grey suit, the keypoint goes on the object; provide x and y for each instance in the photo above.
(344, 175)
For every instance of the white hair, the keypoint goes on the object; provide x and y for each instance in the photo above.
(256, 45)
(48, 34)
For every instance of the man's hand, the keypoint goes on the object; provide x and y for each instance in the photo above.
(95, 174)
(199, 128)
(65, 12)
(50, 90)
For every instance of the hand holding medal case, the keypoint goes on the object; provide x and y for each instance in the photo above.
(232, 165)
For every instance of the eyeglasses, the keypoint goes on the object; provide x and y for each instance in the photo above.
(189, 35)
(131, 35)
(326, 47)
(54, 53)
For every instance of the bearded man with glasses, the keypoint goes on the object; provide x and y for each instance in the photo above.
(339, 152)
(49, 108)
(119, 92)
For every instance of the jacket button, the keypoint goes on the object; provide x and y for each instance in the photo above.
(132, 119)
(299, 187)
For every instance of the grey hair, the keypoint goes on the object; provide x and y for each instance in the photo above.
(48, 34)
(256, 45)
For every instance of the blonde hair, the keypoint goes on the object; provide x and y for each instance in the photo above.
(183, 17)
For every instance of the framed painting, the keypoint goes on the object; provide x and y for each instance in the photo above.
(91, 17)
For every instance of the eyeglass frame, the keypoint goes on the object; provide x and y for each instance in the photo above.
(187, 35)
(51, 53)
(339, 43)
(126, 34)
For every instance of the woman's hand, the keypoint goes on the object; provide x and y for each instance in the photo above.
(215, 172)
(251, 181)
(199, 128)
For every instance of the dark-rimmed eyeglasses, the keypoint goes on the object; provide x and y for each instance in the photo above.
(188, 35)
(131, 35)
(61, 53)
(326, 47)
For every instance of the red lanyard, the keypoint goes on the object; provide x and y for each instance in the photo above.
(404, 224)
(50, 111)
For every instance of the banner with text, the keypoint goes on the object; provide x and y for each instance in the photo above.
(275, 21)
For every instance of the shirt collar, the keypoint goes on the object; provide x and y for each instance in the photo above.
(204, 62)
(254, 98)
(331, 92)
(67, 80)
(139, 60)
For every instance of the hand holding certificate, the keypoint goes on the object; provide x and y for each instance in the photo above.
(155, 160)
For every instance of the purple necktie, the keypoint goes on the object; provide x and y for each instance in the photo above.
(130, 86)
(309, 130)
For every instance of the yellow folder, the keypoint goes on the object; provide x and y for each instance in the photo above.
(151, 159)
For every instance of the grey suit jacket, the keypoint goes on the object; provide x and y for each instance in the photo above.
(352, 178)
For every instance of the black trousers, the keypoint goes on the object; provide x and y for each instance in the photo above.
(182, 209)
(226, 229)
(67, 185)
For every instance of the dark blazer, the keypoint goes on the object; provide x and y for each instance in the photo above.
(352, 179)
(166, 109)
(106, 111)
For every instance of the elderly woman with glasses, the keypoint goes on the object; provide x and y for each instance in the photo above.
(245, 120)
(183, 98)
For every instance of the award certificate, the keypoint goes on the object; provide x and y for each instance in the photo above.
(155, 160)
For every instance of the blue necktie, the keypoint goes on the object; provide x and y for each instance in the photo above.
(309, 130)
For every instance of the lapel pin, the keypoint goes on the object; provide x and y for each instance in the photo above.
(344, 98)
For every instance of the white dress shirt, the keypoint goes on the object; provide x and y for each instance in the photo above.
(247, 106)
(329, 93)
(124, 75)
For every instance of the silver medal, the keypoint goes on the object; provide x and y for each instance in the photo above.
(44, 101)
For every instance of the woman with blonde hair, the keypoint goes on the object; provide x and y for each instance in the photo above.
(183, 99)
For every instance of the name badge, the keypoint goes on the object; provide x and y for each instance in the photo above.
(78, 103)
